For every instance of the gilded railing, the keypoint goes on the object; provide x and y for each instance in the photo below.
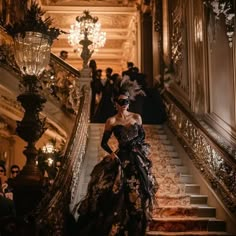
(59, 80)
(54, 207)
(217, 164)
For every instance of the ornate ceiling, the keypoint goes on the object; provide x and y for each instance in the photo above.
(119, 19)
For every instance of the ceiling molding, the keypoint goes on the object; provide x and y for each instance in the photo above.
(118, 18)
(97, 10)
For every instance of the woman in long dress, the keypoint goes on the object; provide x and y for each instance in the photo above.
(121, 190)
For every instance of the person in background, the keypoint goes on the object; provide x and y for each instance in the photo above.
(97, 87)
(129, 71)
(63, 55)
(106, 106)
(15, 170)
(108, 75)
(7, 214)
(2, 170)
(93, 68)
(3, 176)
(5, 188)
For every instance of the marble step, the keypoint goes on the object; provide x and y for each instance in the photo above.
(182, 169)
(169, 148)
(192, 189)
(204, 224)
(173, 154)
(163, 136)
(176, 161)
(184, 224)
(166, 143)
(198, 199)
(195, 210)
(187, 179)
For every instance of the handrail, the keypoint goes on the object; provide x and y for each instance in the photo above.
(216, 164)
(53, 208)
(65, 65)
(59, 79)
(229, 157)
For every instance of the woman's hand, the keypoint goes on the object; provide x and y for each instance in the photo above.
(113, 156)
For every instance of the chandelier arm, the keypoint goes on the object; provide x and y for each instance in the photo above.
(86, 36)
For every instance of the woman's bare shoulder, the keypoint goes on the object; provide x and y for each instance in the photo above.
(137, 117)
(110, 123)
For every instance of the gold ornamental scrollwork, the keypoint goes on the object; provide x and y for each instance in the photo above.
(178, 42)
(209, 160)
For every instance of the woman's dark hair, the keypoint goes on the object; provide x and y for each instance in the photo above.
(15, 166)
(93, 64)
(109, 70)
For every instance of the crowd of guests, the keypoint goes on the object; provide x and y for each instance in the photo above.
(102, 105)
(6, 188)
(7, 208)
(150, 106)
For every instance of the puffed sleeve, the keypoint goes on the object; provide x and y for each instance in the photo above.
(104, 144)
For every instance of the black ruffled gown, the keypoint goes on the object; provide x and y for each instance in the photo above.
(121, 191)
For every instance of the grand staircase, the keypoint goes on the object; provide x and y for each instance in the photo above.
(181, 208)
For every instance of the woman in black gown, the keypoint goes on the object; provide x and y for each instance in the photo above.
(121, 190)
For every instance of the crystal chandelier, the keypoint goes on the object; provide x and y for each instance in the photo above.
(86, 36)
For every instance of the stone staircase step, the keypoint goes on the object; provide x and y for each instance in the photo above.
(192, 188)
(182, 169)
(166, 142)
(154, 127)
(163, 136)
(187, 224)
(169, 148)
(198, 199)
(173, 154)
(187, 179)
(176, 161)
(185, 211)
(205, 210)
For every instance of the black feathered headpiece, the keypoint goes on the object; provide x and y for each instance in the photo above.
(129, 88)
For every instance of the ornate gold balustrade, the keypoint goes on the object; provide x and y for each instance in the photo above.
(73, 93)
(216, 161)
(62, 82)
(54, 207)
(59, 80)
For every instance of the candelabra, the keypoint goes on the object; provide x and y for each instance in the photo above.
(32, 53)
(86, 36)
(32, 37)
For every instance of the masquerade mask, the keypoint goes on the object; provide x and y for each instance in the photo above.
(123, 102)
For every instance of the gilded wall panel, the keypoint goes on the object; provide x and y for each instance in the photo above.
(197, 75)
(178, 37)
(221, 75)
(179, 45)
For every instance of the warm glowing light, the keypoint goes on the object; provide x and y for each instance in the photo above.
(48, 148)
(86, 24)
(50, 161)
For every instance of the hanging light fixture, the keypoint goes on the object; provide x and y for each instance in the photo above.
(86, 36)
